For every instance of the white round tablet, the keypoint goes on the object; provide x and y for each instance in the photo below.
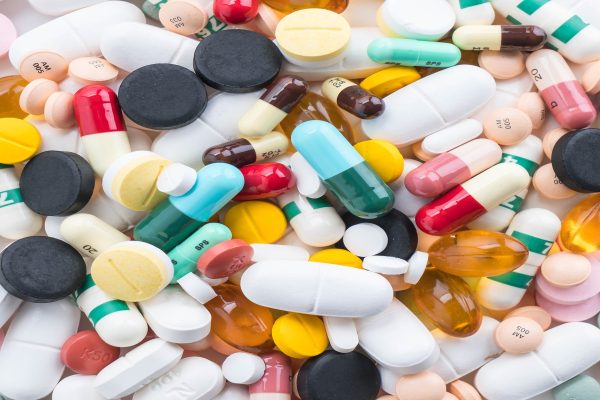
(416, 267)
(365, 239)
(243, 368)
(385, 265)
(176, 180)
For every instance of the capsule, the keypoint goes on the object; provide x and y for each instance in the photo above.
(244, 151)
(263, 181)
(276, 382)
(499, 37)
(447, 170)
(415, 53)
(477, 253)
(580, 231)
(448, 302)
(468, 201)
(343, 171)
(315, 221)
(177, 217)
(351, 97)
(537, 229)
(90, 235)
(101, 126)
(273, 106)
(561, 91)
(287, 6)
(18, 221)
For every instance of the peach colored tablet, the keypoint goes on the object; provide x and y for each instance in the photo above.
(424, 385)
(502, 64)
(8, 34)
(548, 185)
(449, 396)
(550, 139)
(566, 269)
(507, 126)
(34, 95)
(90, 70)
(183, 16)
(591, 78)
(58, 110)
(44, 64)
(538, 314)
(532, 104)
(463, 391)
(388, 397)
(519, 335)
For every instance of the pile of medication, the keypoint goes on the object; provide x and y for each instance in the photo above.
(299, 199)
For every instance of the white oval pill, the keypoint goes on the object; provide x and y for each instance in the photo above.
(385, 265)
(243, 368)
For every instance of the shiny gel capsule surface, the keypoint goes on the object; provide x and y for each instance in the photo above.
(477, 253)
(10, 91)
(287, 6)
(580, 231)
(448, 302)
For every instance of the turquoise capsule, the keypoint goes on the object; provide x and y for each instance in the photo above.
(413, 53)
(343, 171)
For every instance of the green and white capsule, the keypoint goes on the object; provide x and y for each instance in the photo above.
(413, 53)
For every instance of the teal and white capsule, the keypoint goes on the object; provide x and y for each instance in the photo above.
(413, 53)
(472, 12)
(117, 322)
(315, 221)
(527, 154)
(342, 169)
(537, 229)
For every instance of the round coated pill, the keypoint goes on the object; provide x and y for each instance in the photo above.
(41, 269)
(162, 96)
(237, 61)
(92, 70)
(184, 17)
(463, 391)
(566, 269)
(86, 353)
(44, 64)
(507, 126)
(256, 222)
(365, 239)
(569, 312)
(532, 104)
(581, 387)
(176, 179)
(337, 256)
(8, 34)
(34, 96)
(300, 335)
(575, 160)
(425, 385)
(19, 140)
(243, 368)
(519, 335)
(383, 157)
(132, 271)
(502, 64)
(550, 139)
(538, 314)
(58, 110)
(591, 78)
(225, 259)
(387, 81)
(57, 183)
(549, 185)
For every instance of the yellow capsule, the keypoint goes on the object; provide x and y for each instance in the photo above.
(580, 231)
(477, 253)
(10, 91)
(448, 302)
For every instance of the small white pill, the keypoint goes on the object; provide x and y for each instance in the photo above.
(176, 180)
(243, 368)
(416, 267)
(385, 265)
(365, 239)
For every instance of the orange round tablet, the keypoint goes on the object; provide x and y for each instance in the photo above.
(507, 126)
(90, 70)
(34, 96)
(548, 185)
(225, 258)
(566, 269)
(519, 335)
(536, 313)
(463, 391)
(424, 385)
(44, 64)
(550, 139)
(183, 17)
(58, 111)
(85, 353)
(502, 64)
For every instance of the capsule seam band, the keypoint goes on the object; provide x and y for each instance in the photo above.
(514, 279)
(471, 3)
(569, 29)
(291, 210)
(87, 283)
(321, 202)
(534, 244)
(531, 6)
(106, 308)
(530, 166)
(10, 197)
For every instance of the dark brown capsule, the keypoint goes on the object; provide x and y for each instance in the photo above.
(351, 97)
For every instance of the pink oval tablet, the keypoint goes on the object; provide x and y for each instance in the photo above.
(507, 126)
(463, 391)
(44, 64)
(58, 111)
(572, 295)
(8, 34)
(502, 64)
(532, 104)
(425, 385)
(538, 314)
(566, 269)
(519, 335)
(91, 70)
(570, 313)
(548, 185)
(225, 258)
(550, 139)
(35, 94)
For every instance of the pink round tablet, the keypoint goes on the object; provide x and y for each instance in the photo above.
(44, 64)
(91, 70)
(35, 94)
(424, 385)
(574, 294)
(570, 313)
(463, 391)
(225, 258)
(538, 314)
(507, 126)
(58, 111)
(519, 335)
(8, 34)
(566, 269)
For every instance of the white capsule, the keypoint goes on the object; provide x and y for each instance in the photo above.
(307, 180)
(89, 235)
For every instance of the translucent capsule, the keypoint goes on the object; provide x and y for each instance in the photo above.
(448, 301)
(580, 231)
(10, 91)
(287, 6)
(477, 253)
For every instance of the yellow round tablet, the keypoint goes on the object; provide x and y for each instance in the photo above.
(132, 271)
(387, 81)
(300, 335)
(256, 222)
(313, 34)
(19, 140)
(337, 256)
(383, 157)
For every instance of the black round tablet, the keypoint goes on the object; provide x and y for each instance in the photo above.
(401, 233)
(237, 61)
(576, 160)
(338, 376)
(41, 269)
(57, 183)
(162, 96)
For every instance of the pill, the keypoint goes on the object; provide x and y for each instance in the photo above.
(449, 396)
(578, 233)
(41, 269)
(36, 93)
(58, 110)
(538, 314)
(463, 391)
(341, 333)
(236, 12)
(413, 53)
(86, 353)
(11, 88)
(591, 78)
(265, 180)
(499, 37)
(246, 151)
(44, 64)
(91, 70)
(385, 265)
(89, 234)
(256, 222)
(385, 158)
(547, 183)
(353, 98)
(507, 126)
(422, 386)
(243, 368)
(550, 138)
(227, 60)
(365, 239)
(415, 21)
(566, 269)
(573, 160)
(581, 387)
(519, 335)
(225, 259)
(451, 137)
(387, 81)
(76, 386)
(572, 295)
(176, 179)
(182, 17)
(569, 312)
(20, 140)
(336, 256)
(278, 252)
(532, 104)
(300, 336)
(276, 381)
(502, 64)
(8, 34)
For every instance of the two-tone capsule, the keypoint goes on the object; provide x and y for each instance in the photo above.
(500, 37)
(413, 53)
(240, 152)
(351, 97)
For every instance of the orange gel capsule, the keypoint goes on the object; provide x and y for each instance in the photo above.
(580, 230)
(239, 322)
(10, 91)
(287, 6)
(477, 253)
(448, 302)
